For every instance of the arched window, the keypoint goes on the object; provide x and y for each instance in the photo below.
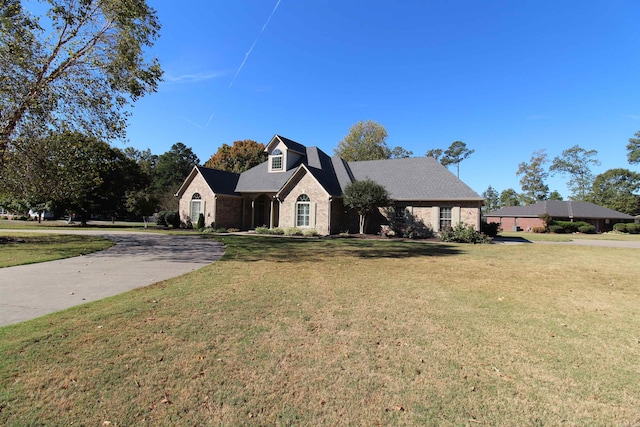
(196, 207)
(276, 160)
(303, 211)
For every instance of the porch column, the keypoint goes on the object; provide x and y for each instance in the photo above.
(253, 216)
(271, 213)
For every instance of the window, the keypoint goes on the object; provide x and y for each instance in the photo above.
(276, 160)
(445, 218)
(303, 211)
(196, 207)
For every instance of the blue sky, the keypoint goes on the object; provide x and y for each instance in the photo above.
(506, 77)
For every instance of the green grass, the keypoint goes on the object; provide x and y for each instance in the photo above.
(18, 249)
(344, 332)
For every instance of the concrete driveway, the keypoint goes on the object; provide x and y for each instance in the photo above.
(629, 244)
(136, 260)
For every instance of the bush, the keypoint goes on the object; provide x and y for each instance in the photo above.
(311, 232)
(293, 231)
(200, 224)
(557, 229)
(220, 230)
(587, 229)
(539, 230)
(620, 227)
(633, 228)
(463, 234)
(161, 218)
(233, 230)
(172, 218)
(265, 230)
(491, 229)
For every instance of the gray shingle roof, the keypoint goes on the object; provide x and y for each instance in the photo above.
(414, 178)
(221, 182)
(560, 209)
(258, 178)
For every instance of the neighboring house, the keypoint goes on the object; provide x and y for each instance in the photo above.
(303, 187)
(512, 218)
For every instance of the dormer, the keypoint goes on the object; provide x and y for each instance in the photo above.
(283, 153)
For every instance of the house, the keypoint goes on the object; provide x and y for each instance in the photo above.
(513, 218)
(302, 187)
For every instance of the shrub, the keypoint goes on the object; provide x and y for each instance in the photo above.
(587, 229)
(187, 225)
(539, 230)
(266, 230)
(293, 231)
(200, 224)
(262, 230)
(161, 218)
(491, 229)
(233, 230)
(463, 234)
(220, 230)
(311, 232)
(558, 229)
(620, 227)
(172, 218)
(633, 228)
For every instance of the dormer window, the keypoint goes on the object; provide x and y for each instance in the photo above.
(276, 160)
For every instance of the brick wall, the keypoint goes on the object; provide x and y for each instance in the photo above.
(319, 199)
(198, 185)
(228, 212)
(508, 223)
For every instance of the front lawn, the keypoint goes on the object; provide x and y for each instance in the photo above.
(288, 331)
(23, 248)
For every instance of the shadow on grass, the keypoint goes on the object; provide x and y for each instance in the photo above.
(510, 239)
(286, 249)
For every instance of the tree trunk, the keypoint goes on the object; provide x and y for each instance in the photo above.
(362, 219)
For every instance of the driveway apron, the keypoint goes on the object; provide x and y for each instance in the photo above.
(136, 260)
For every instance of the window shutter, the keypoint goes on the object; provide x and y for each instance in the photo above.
(436, 218)
(312, 214)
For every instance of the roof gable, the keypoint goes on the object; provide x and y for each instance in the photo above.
(220, 182)
(290, 144)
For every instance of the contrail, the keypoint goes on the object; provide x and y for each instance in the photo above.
(246, 55)
(209, 121)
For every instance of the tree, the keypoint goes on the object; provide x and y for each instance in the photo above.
(436, 153)
(575, 162)
(555, 195)
(400, 153)
(633, 149)
(74, 172)
(509, 197)
(365, 197)
(491, 200)
(365, 141)
(171, 170)
(533, 176)
(243, 155)
(80, 72)
(141, 204)
(455, 154)
(617, 189)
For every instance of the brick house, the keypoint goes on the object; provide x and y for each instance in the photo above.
(302, 187)
(512, 218)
